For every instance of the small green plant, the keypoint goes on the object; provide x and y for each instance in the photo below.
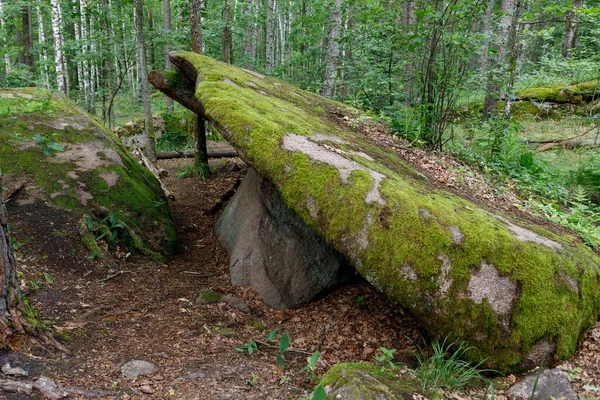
(318, 394)
(34, 284)
(248, 347)
(386, 359)
(48, 278)
(443, 367)
(360, 301)
(284, 379)
(47, 144)
(284, 344)
(311, 365)
(201, 171)
(252, 382)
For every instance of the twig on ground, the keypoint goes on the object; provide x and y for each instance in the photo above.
(109, 277)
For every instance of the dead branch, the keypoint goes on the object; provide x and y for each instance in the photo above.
(111, 276)
(156, 173)
(563, 140)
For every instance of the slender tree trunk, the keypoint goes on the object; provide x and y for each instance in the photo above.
(270, 38)
(59, 59)
(227, 40)
(10, 317)
(250, 37)
(143, 75)
(512, 63)
(333, 48)
(490, 105)
(152, 49)
(168, 66)
(42, 42)
(196, 26)
(487, 31)
(7, 63)
(108, 66)
(77, 26)
(570, 34)
(27, 38)
(84, 53)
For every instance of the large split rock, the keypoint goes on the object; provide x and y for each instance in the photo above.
(514, 290)
(273, 250)
(93, 172)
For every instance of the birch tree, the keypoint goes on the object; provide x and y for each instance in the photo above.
(42, 42)
(143, 75)
(7, 63)
(333, 48)
(570, 34)
(59, 55)
(168, 66)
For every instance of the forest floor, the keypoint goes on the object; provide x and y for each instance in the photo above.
(127, 309)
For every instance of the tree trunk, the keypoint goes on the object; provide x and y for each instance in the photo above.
(168, 66)
(512, 63)
(270, 38)
(7, 63)
(570, 34)
(152, 49)
(59, 57)
(490, 104)
(333, 48)
(196, 26)
(250, 37)
(27, 38)
(487, 31)
(42, 42)
(227, 39)
(143, 76)
(10, 317)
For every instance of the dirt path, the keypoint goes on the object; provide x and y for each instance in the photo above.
(148, 312)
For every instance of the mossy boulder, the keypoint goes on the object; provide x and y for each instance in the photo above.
(364, 381)
(516, 291)
(67, 160)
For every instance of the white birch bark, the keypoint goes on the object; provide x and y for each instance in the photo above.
(270, 37)
(84, 53)
(42, 41)
(77, 26)
(7, 64)
(59, 62)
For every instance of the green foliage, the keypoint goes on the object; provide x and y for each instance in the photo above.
(443, 367)
(47, 144)
(386, 359)
(248, 347)
(311, 364)
(202, 171)
(318, 394)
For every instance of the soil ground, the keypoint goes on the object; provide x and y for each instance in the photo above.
(125, 308)
(148, 311)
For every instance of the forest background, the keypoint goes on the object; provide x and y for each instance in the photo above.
(442, 74)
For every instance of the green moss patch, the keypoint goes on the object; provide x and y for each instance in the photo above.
(92, 170)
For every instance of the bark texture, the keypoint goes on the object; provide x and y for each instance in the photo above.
(333, 48)
(196, 26)
(570, 35)
(60, 64)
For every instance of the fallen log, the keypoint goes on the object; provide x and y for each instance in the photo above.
(156, 173)
(213, 152)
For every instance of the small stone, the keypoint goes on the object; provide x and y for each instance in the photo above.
(146, 389)
(49, 389)
(236, 303)
(135, 368)
(158, 378)
(8, 370)
(163, 173)
(208, 296)
(551, 383)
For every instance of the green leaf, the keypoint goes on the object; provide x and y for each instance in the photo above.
(280, 361)
(39, 139)
(89, 222)
(56, 146)
(319, 394)
(272, 335)
(284, 342)
(48, 278)
(312, 360)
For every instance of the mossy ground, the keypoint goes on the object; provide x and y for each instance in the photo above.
(257, 112)
(136, 196)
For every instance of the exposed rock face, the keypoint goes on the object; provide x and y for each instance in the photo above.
(92, 171)
(514, 290)
(273, 250)
(550, 384)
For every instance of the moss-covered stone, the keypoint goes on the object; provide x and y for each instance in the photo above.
(93, 170)
(574, 94)
(509, 288)
(364, 381)
(208, 296)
